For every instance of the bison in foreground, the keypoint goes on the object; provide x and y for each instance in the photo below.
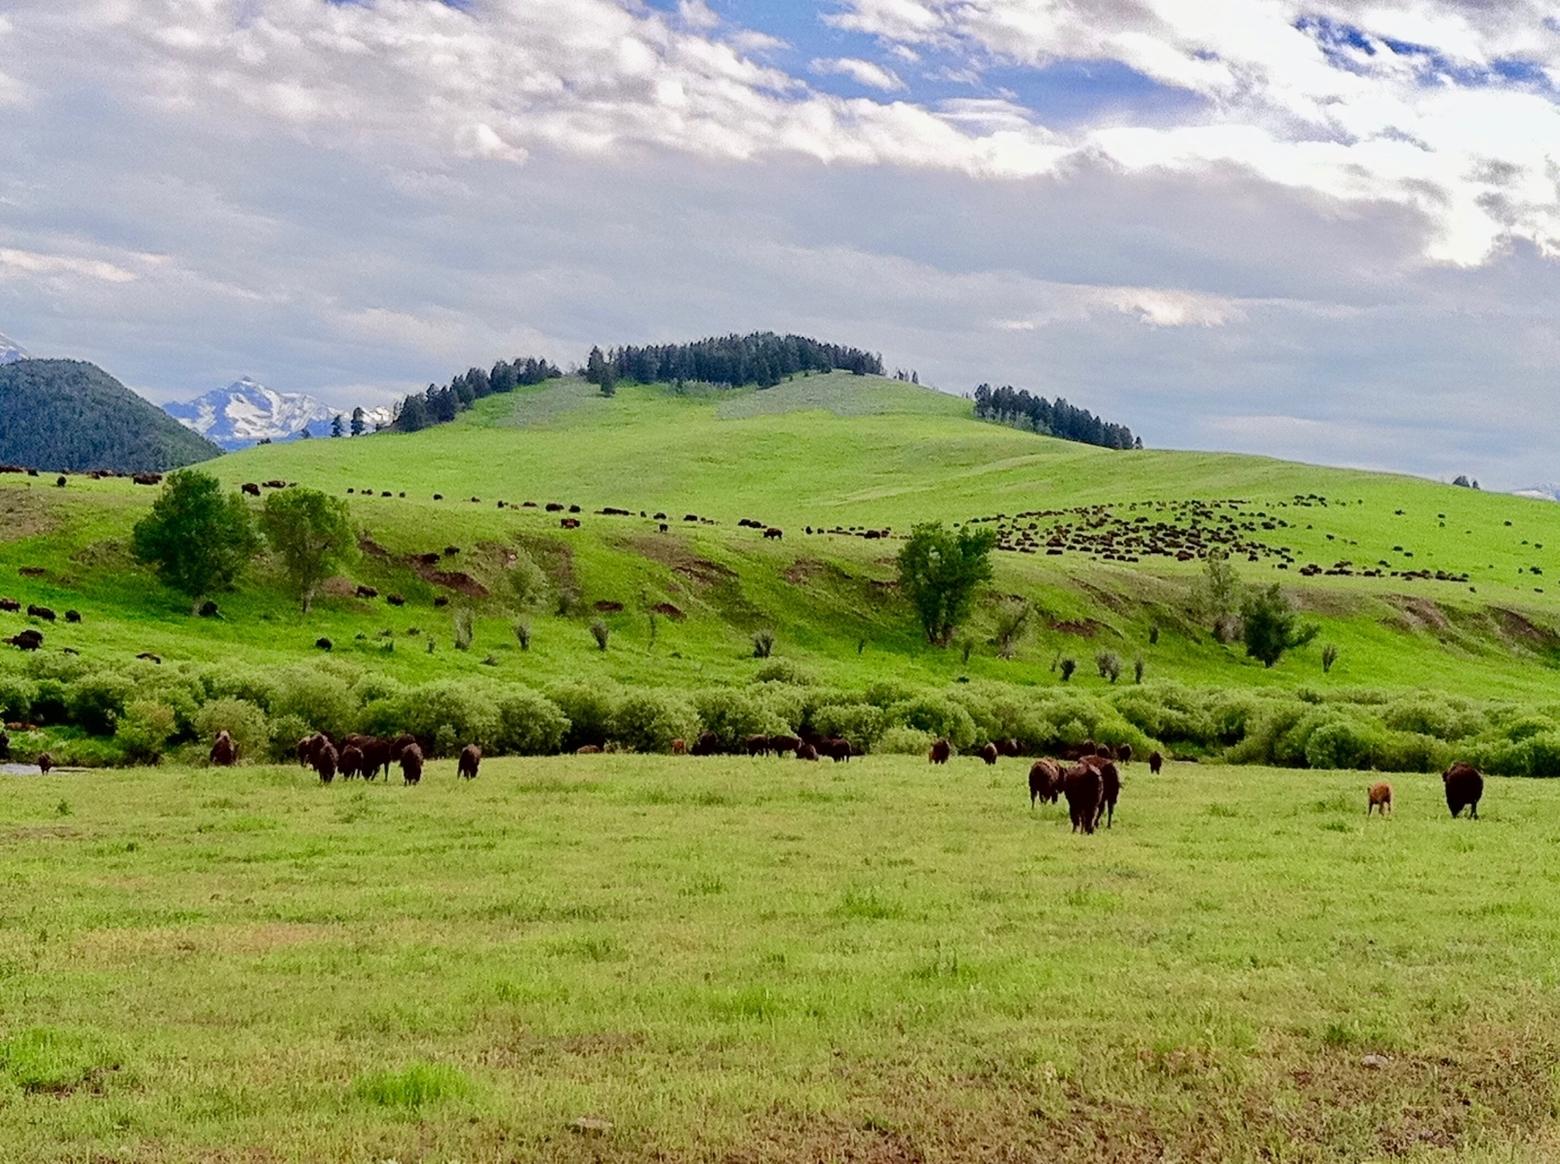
(325, 761)
(224, 752)
(940, 752)
(1464, 788)
(1084, 789)
(1379, 798)
(470, 760)
(411, 764)
(1155, 762)
(1045, 782)
(989, 754)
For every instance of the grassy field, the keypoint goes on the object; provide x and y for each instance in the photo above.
(739, 960)
(826, 451)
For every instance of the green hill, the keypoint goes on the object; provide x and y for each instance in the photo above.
(71, 416)
(1419, 586)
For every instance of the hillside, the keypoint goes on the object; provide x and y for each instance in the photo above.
(1417, 585)
(66, 415)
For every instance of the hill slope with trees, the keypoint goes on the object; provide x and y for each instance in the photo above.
(71, 416)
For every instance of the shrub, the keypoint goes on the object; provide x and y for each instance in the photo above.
(244, 721)
(1329, 657)
(1108, 663)
(1343, 743)
(1138, 666)
(588, 708)
(601, 633)
(523, 633)
(145, 729)
(1544, 755)
(1068, 666)
(1435, 715)
(648, 721)
(784, 671)
(320, 698)
(529, 724)
(49, 702)
(466, 715)
(763, 644)
(1012, 622)
(904, 741)
(936, 714)
(734, 713)
(286, 731)
(1412, 752)
(863, 724)
(94, 702)
(528, 581)
(16, 697)
(465, 628)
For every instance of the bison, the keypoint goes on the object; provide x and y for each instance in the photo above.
(351, 761)
(305, 751)
(43, 612)
(1084, 788)
(588, 750)
(325, 760)
(939, 753)
(837, 749)
(73, 616)
(411, 764)
(250, 488)
(756, 745)
(10, 605)
(1010, 748)
(1378, 798)
(807, 752)
(1045, 782)
(5, 746)
(780, 745)
(1110, 790)
(1155, 762)
(989, 754)
(708, 744)
(1123, 753)
(45, 762)
(470, 760)
(679, 747)
(27, 640)
(1464, 788)
(224, 752)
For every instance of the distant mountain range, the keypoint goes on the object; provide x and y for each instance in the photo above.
(11, 352)
(1548, 491)
(247, 412)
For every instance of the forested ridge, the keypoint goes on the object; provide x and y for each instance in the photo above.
(1057, 418)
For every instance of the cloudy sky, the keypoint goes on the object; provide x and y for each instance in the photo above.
(1326, 229)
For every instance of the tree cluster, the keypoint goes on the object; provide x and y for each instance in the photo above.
(1057, 418)
(762, 358)
(439, 405)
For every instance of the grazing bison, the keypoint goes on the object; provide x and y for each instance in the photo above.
(73, 616)
(224, 752)
(325, 761)
(42, 612)
(470, 760)
(1045, 781)
(940, 751)
(1155, 762)
(989, 754)
(1464, 788)
(208, 609)
(27, 640)
(708, 744)
(251, 488)
(807, 752)
(1378, 798)
(569, 523)
(756, 745)
(780, 745)
(588, 750)
(45, 762)
(367, 592)
(395, 600)
(324, 644)
(10, 605)
(1084, 789)
(411, 764)
(837, 749)
(351, 761)
(774, 534)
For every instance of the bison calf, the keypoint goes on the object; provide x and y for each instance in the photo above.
(1379, 799)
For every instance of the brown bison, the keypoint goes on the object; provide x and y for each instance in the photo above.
(1045, 781)
(350, 761)
(940, 751)
(1010, 748)
(679, 747)
(378, 755)
(756, 745)
(250, 488)
(837, 749)
(411, 764)
(5, 746)
(989, 754)
(470, 760)
(1378, 798)
(325, 763)
(1464, 788)
(45, 762)
(588, 750)
(1123, 753)
(10, 605)
(224, 752)
(1110, 789)
(1155, 762)
(43, 612)
(781, 745)
(27, 640)
(807, 752)
(1084, 789)
(708, 744)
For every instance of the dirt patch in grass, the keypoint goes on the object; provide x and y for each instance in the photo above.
(1520, 629)
(25, 515)
(675, 553)
(456, 580)
(1419, 615)
(555, 557)
(174, 941)
(1084, 628)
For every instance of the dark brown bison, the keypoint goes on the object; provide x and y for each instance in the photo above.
(45, 762)
(377, 756)
(325, 761)
(1045, 781)
(1084, 789)
(588, 750)
(569, 523)
(756, 745)
(807, 752)
(940, 751)
(5, 746)
(780, 745)
(989, 754)
(1010, 747)
(10, 605)
(1155, 762)
(411, 764)
(837, 749)
(251, 488)
(774, 534)
(708, 744)
(1378, 798)
(1123, 753)
(470, 760)
(350, 761)
(43, 612)
(27, 640)
(1464, 788)
(305, 751)
(73, 616)
(1110, 789)
(224, 752)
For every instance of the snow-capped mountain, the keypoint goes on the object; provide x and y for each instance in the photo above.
(11, 352)
(1548, 491)
(246, 412)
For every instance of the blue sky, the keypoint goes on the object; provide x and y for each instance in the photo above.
(1324, 229)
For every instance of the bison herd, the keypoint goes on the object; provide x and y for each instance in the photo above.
(368, 757)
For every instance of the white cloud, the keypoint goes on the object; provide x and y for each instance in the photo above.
(18, 262)
(866, 73)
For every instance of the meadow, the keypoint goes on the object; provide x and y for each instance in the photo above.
(754, 960)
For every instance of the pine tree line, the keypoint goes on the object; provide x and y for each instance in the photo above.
(1014, 406)
(762, 358)
(439, 405)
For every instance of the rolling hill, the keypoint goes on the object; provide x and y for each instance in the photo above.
(66, 415)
